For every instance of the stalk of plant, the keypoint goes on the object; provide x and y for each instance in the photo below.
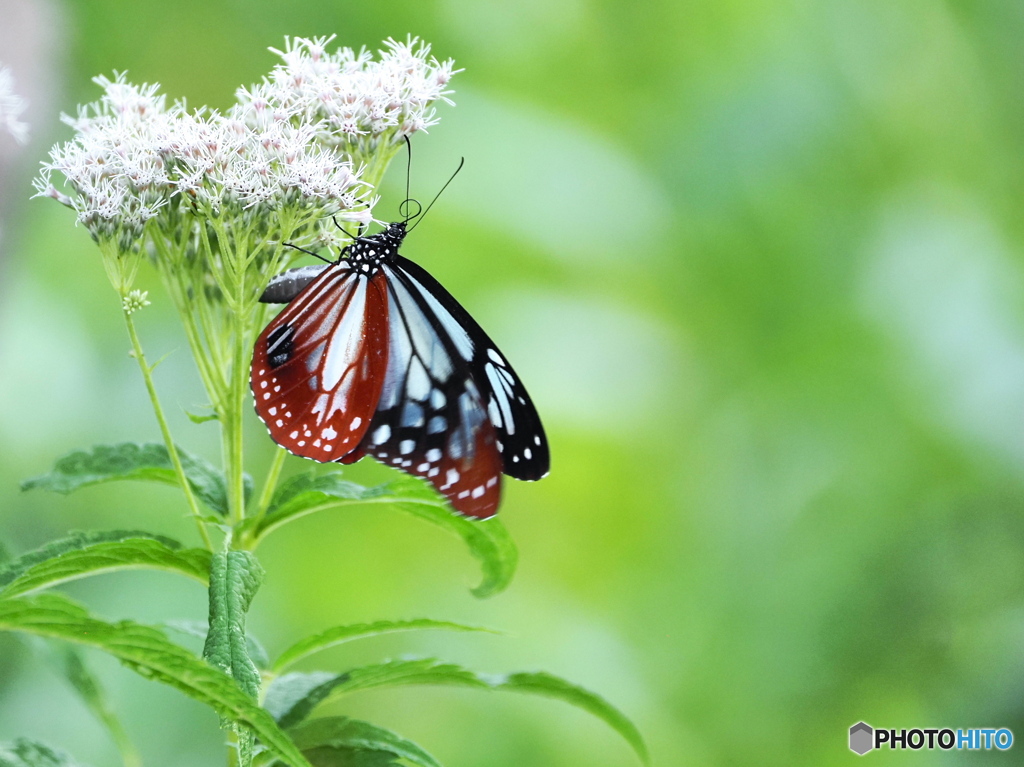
(209, 200)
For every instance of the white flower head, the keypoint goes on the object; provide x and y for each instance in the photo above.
(11, 107)
(114, 168)
(354, 101)
(300, 141)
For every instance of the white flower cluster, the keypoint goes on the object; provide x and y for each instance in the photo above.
(11, 107)
(352, 99)
(114, 165)
(135, 300)
(285, 144)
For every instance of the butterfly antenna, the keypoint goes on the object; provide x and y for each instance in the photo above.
(403, 209)
(462, 161)
(308, 252)
(344, 231)
(408, 167)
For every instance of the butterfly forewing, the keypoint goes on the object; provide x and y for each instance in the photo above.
(319, 366)
(520, 435)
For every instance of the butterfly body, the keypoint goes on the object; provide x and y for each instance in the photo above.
(372, 356)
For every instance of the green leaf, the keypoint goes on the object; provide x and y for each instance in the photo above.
(339, 634)
(201, 630)
(235, 577)
(321, 687)
(71, 663)
(344, 734)
(80, 555)
(327, 756)
(149, 462)
(551, 686)
(27, 753)
(290, 698)
(487, 540)
(194, 418)
(148, 652)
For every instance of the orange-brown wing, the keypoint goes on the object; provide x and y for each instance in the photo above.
(319, 366)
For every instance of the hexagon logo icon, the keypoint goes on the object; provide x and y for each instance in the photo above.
(862, 738)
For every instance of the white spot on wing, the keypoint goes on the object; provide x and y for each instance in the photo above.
(418, 383)
(501, 397)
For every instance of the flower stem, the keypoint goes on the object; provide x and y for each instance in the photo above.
(172, 450)
(271, 484)
(266, 495)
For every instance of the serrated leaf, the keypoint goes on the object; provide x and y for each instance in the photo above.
(76, 539)
(487, 540)
(235, 577)
(342, 733)
(321, 687)
(148, 652)
(84, 554)
(28, 753)
(131, 461)
(340, 634)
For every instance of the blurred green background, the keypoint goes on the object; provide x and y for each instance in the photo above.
(761, 265)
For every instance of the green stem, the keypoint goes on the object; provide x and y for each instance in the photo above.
(237, 301)
(172, 450)
(239, 381)
(174, 264)
(271, 484)
(249, 540)
(130, 756)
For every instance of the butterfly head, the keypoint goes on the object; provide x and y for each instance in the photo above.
(395, 231)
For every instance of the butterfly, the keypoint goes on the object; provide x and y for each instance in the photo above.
(372, 356)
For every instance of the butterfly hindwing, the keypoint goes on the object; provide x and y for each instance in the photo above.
(319, 366)
(431, 420)
(517, 425)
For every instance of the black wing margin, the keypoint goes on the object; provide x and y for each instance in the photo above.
(521, 438)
